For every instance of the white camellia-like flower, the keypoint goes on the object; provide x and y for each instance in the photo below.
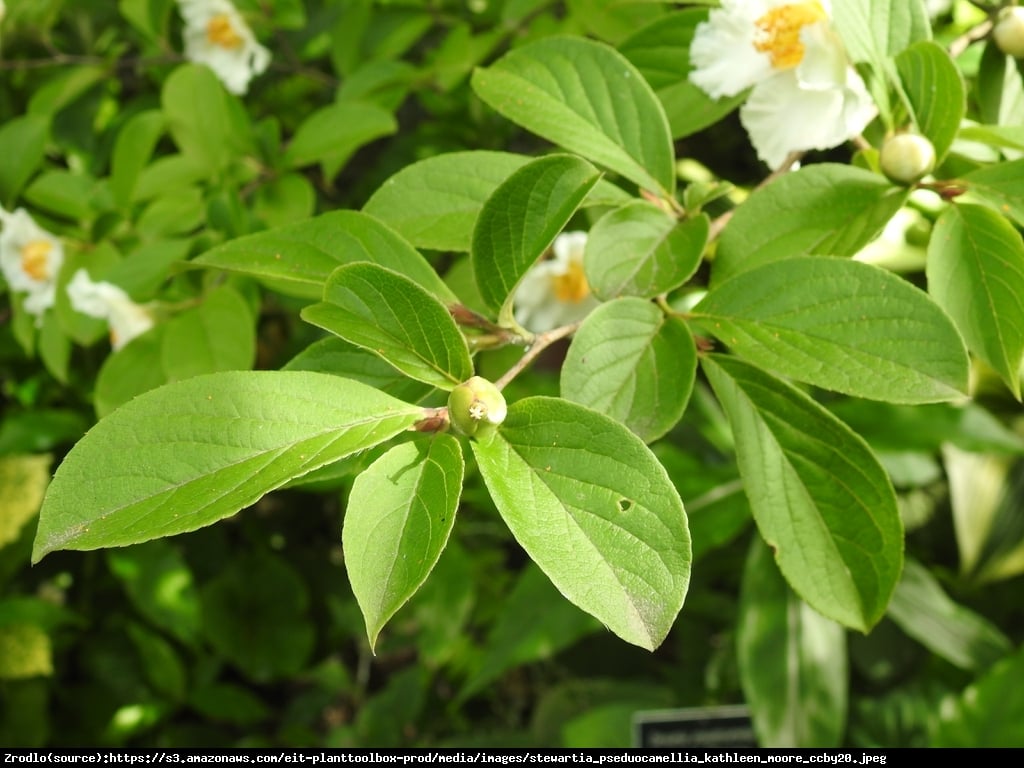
(107, 301)
(805, 94)
(555, 291)
(217, 36)
(30, 258)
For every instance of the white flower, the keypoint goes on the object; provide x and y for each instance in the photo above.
(216, 35)
(805, 93)
(107, 301)
(30, 258)
(555, 291)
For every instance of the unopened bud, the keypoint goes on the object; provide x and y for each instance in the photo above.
(476, 407)
(1009, 31)
(907, 157)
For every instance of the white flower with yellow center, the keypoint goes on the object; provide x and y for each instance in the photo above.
(107, 301)
(555, 291)
(30, 258)
(216, 35)
(805, 95)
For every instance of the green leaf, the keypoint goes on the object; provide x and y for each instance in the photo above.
(23, 481)
(397, 521)
(193, 452)
(332, 134)
(435, 203)
(132, 150)
(875, 29)
(999, 186)
(595, 510)
(588, 98)
(925, 612)
(819, 496)
(841, 325)
(218, 335)
(521, 219)
(936, 91)
(206, 122)
(661, 51)
(826, 209)
(391, 316)
(976, 273)
(639, 250)
(285, 200)
(792, 661)
(63, 193)
(632, 363)
(989, 711)
(297, 259)
(24, 141)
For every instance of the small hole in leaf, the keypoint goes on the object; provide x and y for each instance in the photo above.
(625, 505)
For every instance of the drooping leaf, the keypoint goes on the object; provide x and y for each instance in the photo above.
(639, 250)
(792, 661)
(661, 51)
(820, 498)
(825, 209)
(435, 203)
(397, 521)
(841, 325)
(196, 451)
(593, 508)
(521, 219)
(936, 91)
(297, 259)
(632, 363)
(924, 611)
(388, 314)
(976, 273)
(587, 98)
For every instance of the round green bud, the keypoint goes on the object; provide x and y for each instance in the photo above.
(1009, 31)
(476, 407)
(907, 157)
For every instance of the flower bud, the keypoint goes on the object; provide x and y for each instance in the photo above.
(476, 407)
(907, 157)
(1009, 31)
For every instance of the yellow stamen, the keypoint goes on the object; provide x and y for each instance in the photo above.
(220, 32)
(779, 31)
(34, 259)
(572, 287)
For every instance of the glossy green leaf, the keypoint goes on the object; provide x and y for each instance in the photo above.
(826, 209)
(332, 134)
(632, 363)
(936, 91)
(193, 452)
(925, 612)
(399, 516)
(435, 203)
(976, 273)
(639, 250)
(820, 498)
(792, 661)
(587, 98)
(999, 186)
(207, 123)
(521, 219)
(132, 150)
(391, 316)
(595, 510)
(297, 259)
(989, 711)
(661, 51)
(24, 141)
(841, 325)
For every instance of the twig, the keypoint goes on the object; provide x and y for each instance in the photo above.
(972, 35)
(541, 342)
